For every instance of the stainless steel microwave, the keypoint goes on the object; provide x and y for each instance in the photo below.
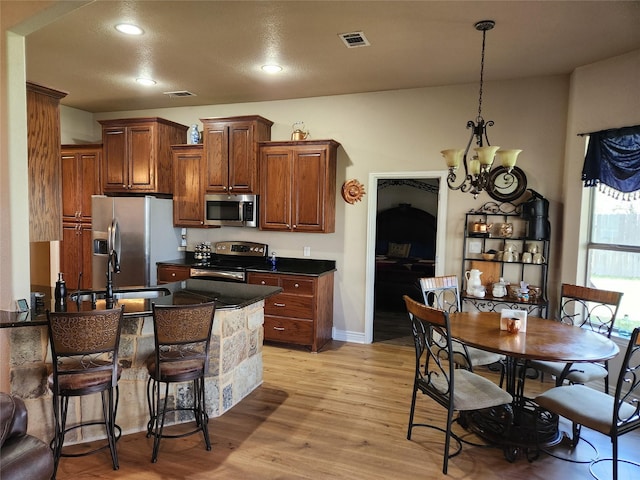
(231, 210)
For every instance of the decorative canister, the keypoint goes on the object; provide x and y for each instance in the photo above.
(194, 135)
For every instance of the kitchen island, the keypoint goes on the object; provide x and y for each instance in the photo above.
(235, 367)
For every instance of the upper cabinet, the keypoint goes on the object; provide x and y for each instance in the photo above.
(188, 186)
(80, 180)
(45, 184)
(137, 154)
(298, 186)
(231, 153)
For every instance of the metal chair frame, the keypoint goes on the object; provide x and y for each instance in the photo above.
(443, 293)
(591, 308)
(435, 375)
(625, 415)
(84, 354)
(182, 336)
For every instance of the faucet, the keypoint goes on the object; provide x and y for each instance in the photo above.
(113, 266)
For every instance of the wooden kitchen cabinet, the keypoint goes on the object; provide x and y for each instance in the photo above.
(80, 180)
(172, 273)
(298, 186)
(188, 185)
(231, 153)
(80, 166)
(45, 179)
(137, 154)
(76, 255)
(302, 313)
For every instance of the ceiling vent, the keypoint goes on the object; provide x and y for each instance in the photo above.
(180, 93)
(354, 39)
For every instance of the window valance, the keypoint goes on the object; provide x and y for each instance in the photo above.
(613, 161)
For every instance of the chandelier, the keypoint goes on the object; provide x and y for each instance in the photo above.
(477, 169)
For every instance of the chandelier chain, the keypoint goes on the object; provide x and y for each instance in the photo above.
(484, 34)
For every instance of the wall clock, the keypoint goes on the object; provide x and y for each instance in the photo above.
(505, 186)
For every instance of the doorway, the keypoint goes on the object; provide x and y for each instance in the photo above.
(411, 189)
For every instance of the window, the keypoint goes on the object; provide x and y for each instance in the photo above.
(614, 255)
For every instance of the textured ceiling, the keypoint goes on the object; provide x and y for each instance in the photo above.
(215, 48)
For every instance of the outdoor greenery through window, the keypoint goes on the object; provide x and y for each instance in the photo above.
(614, 255)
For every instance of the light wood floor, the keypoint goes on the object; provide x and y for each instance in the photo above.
(339, 414)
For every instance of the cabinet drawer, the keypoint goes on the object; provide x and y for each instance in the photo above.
(259, 279)
(168, 274)
(286, 330)
(289, 305)
(297, 286)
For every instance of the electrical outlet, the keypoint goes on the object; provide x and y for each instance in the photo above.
(306, 251)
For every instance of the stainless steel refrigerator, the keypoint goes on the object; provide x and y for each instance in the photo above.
(143, 227)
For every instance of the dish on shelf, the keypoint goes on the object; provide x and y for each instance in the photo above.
(488, 256)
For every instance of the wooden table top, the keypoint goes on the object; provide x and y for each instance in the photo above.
(543, 340)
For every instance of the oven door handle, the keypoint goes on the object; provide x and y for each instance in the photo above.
(204, 273)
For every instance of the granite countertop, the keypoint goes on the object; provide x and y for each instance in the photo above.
(227, 295)
(284, 265)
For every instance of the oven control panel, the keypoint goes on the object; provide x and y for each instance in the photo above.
(244, 249)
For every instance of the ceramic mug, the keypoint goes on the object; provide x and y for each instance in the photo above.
(538, 258)
(527, 257)
(510, 256)
(532, 248)
(513, 325)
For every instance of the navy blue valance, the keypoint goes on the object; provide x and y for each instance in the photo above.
(613, 160)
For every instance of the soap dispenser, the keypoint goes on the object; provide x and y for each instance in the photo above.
(273, 260)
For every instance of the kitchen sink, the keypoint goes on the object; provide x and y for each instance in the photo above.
(121, 294)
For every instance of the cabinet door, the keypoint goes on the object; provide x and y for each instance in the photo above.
(71, 187)
(243, 163)
(188, 195)
(88, 182)
(115, 169)
(76, 255)
(216, 147)
(310, 179)
(276, 188)
(142, 161)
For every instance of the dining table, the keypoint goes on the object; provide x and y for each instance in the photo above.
(537, 339)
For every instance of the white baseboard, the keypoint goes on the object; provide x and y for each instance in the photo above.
(346, 336)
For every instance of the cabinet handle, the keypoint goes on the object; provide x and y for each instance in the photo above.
(230, 188)
(262, 282)
(173, 274)
(115, 132)
(296, 285)
(280, 329)
(295, 226)
(279, 305)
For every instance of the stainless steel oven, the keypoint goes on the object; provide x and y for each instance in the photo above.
(229, 261)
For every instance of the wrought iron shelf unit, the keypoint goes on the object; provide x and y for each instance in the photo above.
(505, 233)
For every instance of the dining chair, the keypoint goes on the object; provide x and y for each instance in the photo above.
(590, 308)
(182, 334)
(454, 389)
(443, 293)
(610, 415)
(84, 357)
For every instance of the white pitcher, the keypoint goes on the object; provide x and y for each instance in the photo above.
(473, 281)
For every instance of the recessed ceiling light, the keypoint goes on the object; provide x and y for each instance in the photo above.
(146, 81)
(272, 68)
(129, 29)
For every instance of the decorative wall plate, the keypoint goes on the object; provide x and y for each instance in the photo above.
(504, 186)
(352, 191)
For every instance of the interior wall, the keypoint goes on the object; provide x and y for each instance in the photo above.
(603, 95)
(397, 131)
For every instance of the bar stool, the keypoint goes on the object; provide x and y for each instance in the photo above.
(84, 354)
(182, 334)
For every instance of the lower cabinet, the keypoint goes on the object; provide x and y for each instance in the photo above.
(172, 273)
(303, 313)
(76, 255)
